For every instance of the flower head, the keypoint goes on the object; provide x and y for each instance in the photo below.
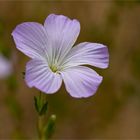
(53, 58)
(5, 67)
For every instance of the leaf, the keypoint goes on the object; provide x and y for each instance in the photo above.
(44, 109)
(36, 104)
(49, 130)
(40, 106)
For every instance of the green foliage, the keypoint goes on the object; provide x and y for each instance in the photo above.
(50, 126)
(45, 130)
(36, 103)
(41, 105)
(43, 109)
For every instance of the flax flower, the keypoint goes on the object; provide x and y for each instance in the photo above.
(53, 59)
(5, 67)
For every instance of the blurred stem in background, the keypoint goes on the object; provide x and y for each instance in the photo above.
(45, 129)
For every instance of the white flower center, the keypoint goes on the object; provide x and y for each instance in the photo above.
(56, 64)
(55, 67)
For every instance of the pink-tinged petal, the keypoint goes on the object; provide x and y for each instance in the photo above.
(88, 53)
(62, 32)
(39, 75)
(30, 38)
(81, 81)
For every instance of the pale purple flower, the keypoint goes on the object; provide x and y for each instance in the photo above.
(53, 58)
(5, 67)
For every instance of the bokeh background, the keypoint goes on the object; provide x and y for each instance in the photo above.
(114, 111)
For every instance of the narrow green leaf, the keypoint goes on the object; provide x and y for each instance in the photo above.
(49, 130)
(44, 109)
(36, 104)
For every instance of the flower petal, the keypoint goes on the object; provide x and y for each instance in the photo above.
(63, 33)
(81, 81)
(31, 39)
(88, 53)
(39, 75)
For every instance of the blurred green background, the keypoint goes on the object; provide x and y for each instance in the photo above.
(114, 111)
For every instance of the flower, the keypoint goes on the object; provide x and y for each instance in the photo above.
(5, 67)
(53, 59)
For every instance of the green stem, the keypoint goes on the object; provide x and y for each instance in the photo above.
(41, 127)
(45, 130)
(41, 119)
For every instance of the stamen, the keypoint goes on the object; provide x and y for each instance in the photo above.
(53, 68)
